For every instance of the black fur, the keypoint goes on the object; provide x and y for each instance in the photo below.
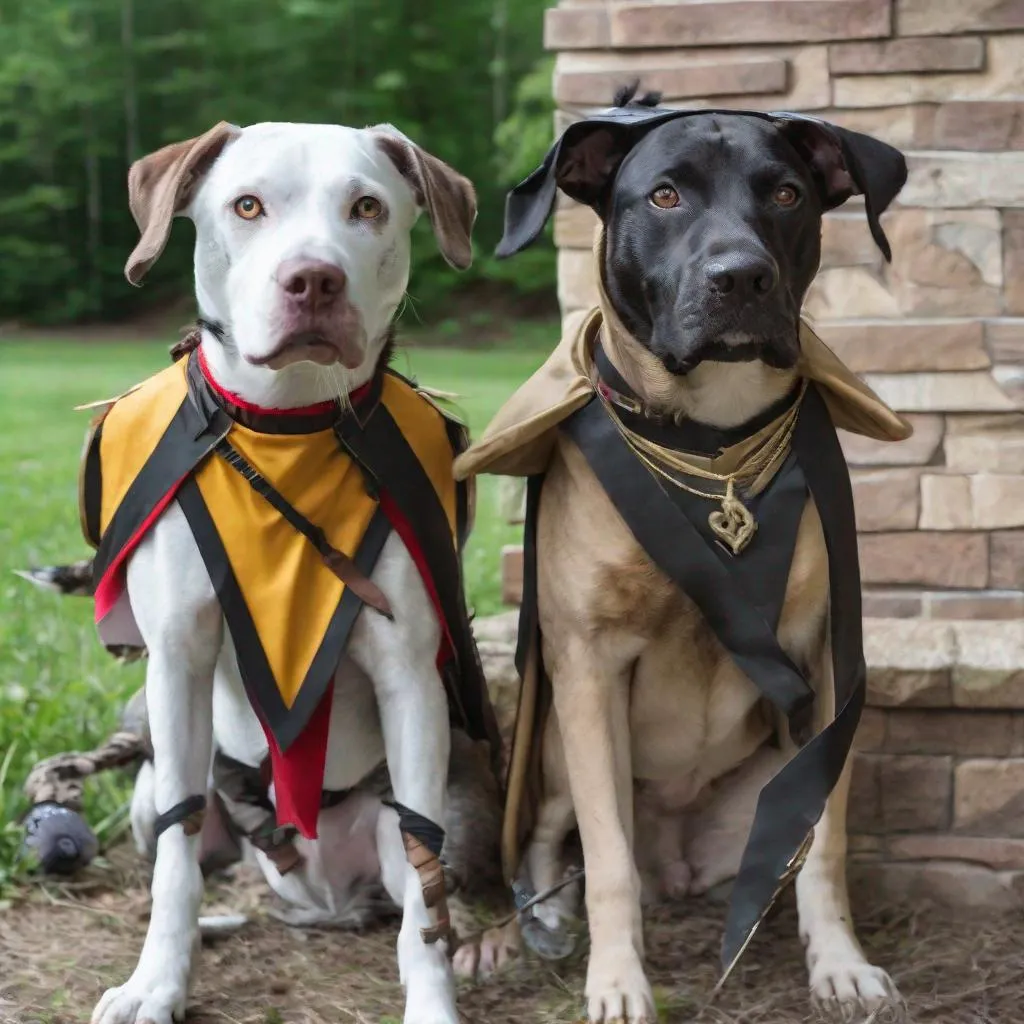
(722, 273)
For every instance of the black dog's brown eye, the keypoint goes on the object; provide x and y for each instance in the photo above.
(367, 208)
(665, 197)
(786, 195)
(248, 207)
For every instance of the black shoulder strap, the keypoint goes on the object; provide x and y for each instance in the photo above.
(391, 466)
(673, 543)
(791, 804)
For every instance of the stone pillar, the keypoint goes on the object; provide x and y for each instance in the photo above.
(939, 784)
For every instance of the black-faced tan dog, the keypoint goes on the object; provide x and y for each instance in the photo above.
(692, 587)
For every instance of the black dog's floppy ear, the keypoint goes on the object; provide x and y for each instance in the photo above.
(847, 163)
(581, 163)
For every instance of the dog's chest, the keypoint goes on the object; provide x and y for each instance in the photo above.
(694, 715)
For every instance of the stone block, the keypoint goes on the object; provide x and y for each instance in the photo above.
(950, 884)
(917, 450)
(871, 730)
(841, 293)
(577, 281)
(1007, 560)
(988, 797)
(989, 669)
(886, 499)
(579, 27)
(512, 574)
(865, 803)
(892, 604)
(909, 662)
(1002, 78)
(946, 262)
(847, 242)
(936, 559)
(1013, 260)
(963, 53)
(906, 346)
(575, 225)
(997, 501)
(959, 733)
(972, 125)
(997, 854)
(1004, 338)
(926, 17)
(915, 792)
(677, 79)
(807, 86)
(941, 392)
(964, 180)
(946, 502)
(747, 21)
(991, 443)
(892, 124)
(966, 604)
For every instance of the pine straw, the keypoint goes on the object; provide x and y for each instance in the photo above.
(60, 946)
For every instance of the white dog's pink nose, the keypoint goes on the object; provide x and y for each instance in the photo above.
(311, 284)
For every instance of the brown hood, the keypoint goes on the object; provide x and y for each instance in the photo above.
(519, 440)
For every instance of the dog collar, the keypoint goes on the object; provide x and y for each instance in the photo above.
(684, 435)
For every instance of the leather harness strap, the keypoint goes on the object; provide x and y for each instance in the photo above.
(189, 814)
(423, 842)
(337, 561)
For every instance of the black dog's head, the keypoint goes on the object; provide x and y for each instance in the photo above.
(712, 220)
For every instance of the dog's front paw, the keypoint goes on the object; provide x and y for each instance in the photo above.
(617, 988)
(143, 999)
(852, 991)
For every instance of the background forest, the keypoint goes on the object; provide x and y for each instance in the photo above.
(86, 86)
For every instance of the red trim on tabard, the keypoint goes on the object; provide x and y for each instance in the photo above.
(404, 530)
(318, 409)
(111, 586)
(298, 772)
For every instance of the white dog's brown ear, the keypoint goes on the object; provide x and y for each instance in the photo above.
(448, 197)
(160, 186)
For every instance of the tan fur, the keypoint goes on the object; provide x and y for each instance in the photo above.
(656, 729)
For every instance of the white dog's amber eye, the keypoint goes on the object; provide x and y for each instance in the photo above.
(367, 208)
(665, 197)
(248, 207)
(786, 195)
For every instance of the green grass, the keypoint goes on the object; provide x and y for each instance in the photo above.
(59, 690)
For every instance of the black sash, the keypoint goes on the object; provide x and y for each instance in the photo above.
(791, 803)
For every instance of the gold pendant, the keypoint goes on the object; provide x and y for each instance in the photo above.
(734, 524)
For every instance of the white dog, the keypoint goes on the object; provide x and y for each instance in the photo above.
(301, 261)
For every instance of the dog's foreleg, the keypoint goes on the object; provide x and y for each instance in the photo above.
(181, 623)
(841, 979)
(399, 657)
(591, 702)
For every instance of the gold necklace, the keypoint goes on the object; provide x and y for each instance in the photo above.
(733, 523)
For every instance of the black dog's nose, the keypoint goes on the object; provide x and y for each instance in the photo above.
(742, 276)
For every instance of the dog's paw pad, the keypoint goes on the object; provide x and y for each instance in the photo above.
(138, 1002)
(852, 992)
(618, 991)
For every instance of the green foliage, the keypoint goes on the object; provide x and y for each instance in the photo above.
(86, 86)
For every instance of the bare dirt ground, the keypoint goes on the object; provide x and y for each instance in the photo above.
(61, 945)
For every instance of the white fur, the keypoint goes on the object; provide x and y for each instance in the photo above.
(307, 177)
